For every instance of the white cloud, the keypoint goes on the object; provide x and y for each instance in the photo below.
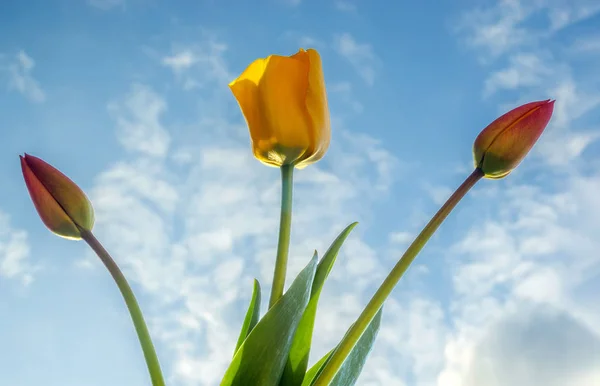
(565, 13)
(497, 29)
(344, 91)
(401, 237)
(566, 140)
(14, 253)
(520, 281)
(503, 27)
(574, 102)
(20, 78)
(138, 118)
(438, 193)
(180, 61)
(302, 39)
(345, 6)
(524, 70)
(538, 68)
(562, 150)
(587, 44)
(539, 346)
(359, 55)
(309, 42)
(194, 65)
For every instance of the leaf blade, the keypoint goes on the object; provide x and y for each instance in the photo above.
(261, 358)
(252, 315)
(353, 365)
(297, 362)
(315, 370)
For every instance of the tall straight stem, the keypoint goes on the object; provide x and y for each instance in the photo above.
(356, 330)
(285, 227)
(132, 305)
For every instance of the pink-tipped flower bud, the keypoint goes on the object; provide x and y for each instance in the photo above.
(60, 203)
(503, 144)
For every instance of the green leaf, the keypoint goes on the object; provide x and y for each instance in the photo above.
(328, 259)
(312, 373)
(261, 358)
(298, 359)
(252, 315)
(352, 366)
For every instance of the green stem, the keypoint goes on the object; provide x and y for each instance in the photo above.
(285, 226)
(355, 332)
(132, 305)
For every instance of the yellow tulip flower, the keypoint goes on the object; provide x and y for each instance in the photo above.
(284, 101)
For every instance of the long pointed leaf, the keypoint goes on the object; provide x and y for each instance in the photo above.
(299, 352)
(315, 370)
(252, 315)
(329, 257)
(261, 358)
(353, 365)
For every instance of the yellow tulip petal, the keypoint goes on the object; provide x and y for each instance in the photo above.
(253, 73)
(246, 94)
(318, 109)
(282, 90)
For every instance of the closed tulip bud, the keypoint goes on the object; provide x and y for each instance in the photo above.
(284, 101)
(503, 144)
(62, 205)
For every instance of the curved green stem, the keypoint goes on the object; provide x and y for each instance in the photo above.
(132, 305)
(285, 226)
(356, 330)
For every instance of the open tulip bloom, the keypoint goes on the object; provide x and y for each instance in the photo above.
(284, 102)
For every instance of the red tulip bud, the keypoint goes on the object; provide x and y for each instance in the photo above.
(503, 144)
(60, 203)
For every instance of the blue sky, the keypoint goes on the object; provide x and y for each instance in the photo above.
(130, 99)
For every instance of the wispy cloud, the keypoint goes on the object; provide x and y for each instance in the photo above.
(14, 253)
(19, 72)
(345, 6)
(589, 44)
(192, 64)
(138, 115)
(498, 28)
(303, 40)
(538, 68)
(524, 70)
(567, 140)
(180, 61)
(504, 26)
(344, 91)
(565, 13)
(359, 55)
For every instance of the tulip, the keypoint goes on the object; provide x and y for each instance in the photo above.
(284, 102)
(503, 144)
(67, 212)
(60, 203)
